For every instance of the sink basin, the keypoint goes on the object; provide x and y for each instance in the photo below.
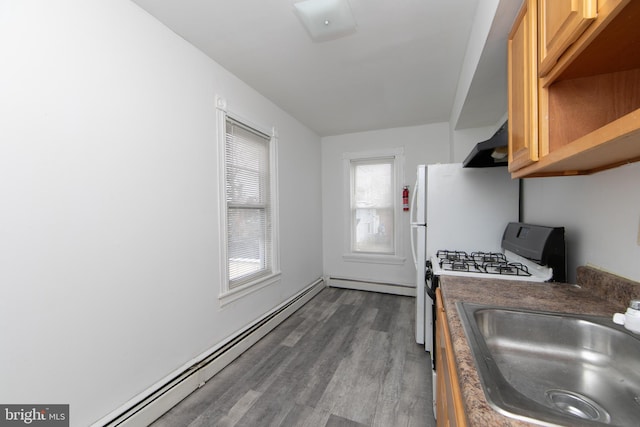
(554, 368)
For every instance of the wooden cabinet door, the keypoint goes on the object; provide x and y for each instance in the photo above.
(449, 405)
(442, 418)
(442, 400)
(523, 89)
(561, 22)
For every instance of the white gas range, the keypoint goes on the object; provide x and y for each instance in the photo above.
(530, 252)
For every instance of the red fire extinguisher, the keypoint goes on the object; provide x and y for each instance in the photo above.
(405, 198)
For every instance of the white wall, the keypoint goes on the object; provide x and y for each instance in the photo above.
(463, 141)
(601, 214)
(109, 246)
(422, 145)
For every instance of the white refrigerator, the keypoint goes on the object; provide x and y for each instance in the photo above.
(456, 208)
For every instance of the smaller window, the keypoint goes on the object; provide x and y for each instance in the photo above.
(372, 217)
(372, 207)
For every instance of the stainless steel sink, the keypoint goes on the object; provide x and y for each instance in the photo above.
(555, 368)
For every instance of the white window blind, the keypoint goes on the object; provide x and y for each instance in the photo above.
(249, 241)
(372, 206)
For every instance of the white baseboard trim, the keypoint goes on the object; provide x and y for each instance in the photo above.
(150, 405)
(364, 285)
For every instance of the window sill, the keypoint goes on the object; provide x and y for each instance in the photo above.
(374, 259)
(234, 294)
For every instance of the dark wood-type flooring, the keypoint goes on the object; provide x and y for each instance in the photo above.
(347, 358)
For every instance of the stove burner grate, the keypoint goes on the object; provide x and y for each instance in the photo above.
(484, 257)
(481, 263)
(459, 265)
(452, 255)
(507, 268)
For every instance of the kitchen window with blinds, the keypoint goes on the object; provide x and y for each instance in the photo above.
(250, 255)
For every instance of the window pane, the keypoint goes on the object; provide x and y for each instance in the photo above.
(374, 230)
(373, 184)
(247, 243)
(373, 206)
(247, 167)
(248, 209)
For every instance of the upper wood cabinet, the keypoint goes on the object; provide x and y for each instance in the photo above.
(561, 23)
(523, 92)
(583, 114)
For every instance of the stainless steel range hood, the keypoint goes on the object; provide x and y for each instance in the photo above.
(490, 153)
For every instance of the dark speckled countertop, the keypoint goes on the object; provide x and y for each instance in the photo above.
(599, 293)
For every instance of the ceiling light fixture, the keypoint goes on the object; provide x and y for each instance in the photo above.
(326, 19)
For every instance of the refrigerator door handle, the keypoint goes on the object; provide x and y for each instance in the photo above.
(413, 249)
(413, 201)
(414, 224)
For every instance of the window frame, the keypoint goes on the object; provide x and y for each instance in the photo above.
(227, 293)
(397, 157)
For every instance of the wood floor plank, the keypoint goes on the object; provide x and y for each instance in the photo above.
(346, 358)
(299, 416)
(229, 419)
(318, 417)
(336, 421)
(355, 386)
(314, 381)
(303, 328)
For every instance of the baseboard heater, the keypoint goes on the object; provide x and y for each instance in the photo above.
(369, 285)
(144, 409)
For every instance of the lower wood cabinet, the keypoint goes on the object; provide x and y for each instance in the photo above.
(449, 405)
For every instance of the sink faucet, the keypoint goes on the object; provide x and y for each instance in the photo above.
(630, 319)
